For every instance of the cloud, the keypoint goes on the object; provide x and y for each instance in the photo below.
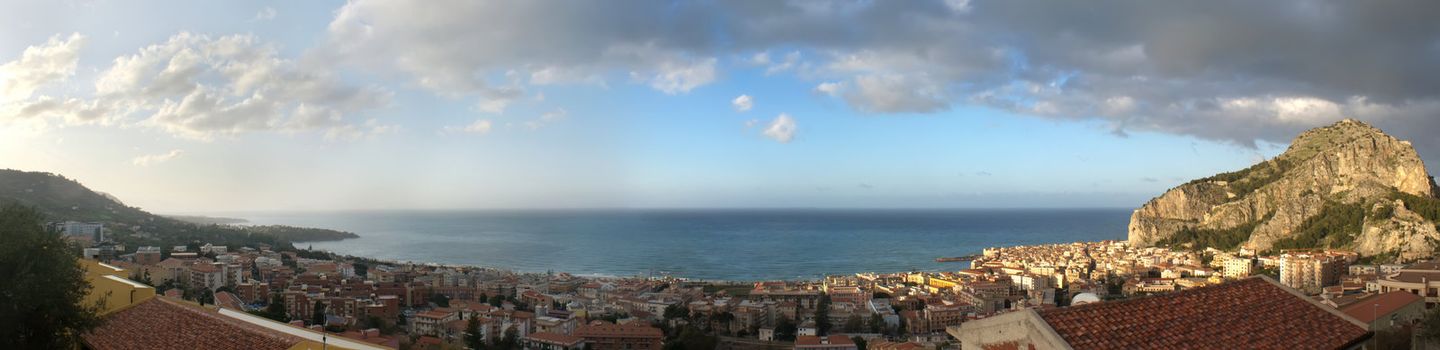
(743, 103)
(38, 66)
(1149, 179)
(548, 118)
(1230, 71)
(480, 126)
(192, 86)
(983, 173)
(149, 159)
(265, 14)
(781, 129)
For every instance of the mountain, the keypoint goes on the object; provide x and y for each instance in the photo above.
(63, 199)
(1346, 185)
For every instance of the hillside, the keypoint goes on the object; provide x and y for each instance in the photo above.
(1346, 185)
(63, 199)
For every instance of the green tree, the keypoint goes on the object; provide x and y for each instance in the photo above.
(854, 324)
(859, 342)
(42, 285)
(440, 299)
(1430, 326)
(822, 315)
(319, 313)
(276, 309)
(725, 318)
(693, 338)
(473, 338)
(497, 300)
(676, 311)
(785, 329)
(877, 324)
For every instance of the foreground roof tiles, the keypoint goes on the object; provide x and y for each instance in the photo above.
(1252, 313)
(164, 324)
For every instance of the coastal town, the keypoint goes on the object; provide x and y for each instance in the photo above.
(322, 298)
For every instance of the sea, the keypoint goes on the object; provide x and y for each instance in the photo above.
(711, 244)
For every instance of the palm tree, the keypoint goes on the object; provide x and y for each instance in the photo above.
(725, 318)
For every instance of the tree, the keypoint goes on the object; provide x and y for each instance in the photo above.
(1430, 326)
(859, 342)
(822, 315)
(276, 309)
(319, 313)
(854, 324)
(877, 324)
(440, 300)
(497, 300)
(785, 329)
(676, 311)
(693, 338)
(43, 285)
(473, 338)
(725, 318)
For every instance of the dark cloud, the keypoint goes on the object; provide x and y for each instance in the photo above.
(1235, 71)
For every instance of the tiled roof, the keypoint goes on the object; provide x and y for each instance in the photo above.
(164, 324)
(1253, 313)
(555, 338)
(833, 339)
(1366, 310)
(618, 330)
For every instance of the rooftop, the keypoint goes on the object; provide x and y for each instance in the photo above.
(1368, 309)
(1251, 313)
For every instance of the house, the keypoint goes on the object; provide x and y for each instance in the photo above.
(433, 322)
(553, 341)
(615, 336)
(1255, 312)
(830, 342)
(1386, 310)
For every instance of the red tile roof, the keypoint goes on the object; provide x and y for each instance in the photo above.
(833, 339)
(1368, 309)
(618, 331)
(555, 338)
(1253, 313)
(161, 323)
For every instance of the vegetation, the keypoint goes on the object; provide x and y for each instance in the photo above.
(62, 199)
(1224, 239)
(785, 329)
(43, 286)
(822, 315)
(275, 310)
(300, 234)
(1427, 207)
(1243, 182)
(1336, 226)
(473, 338)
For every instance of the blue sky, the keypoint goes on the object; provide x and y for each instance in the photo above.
(205, 106)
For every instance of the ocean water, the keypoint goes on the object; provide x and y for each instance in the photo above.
(755, 244)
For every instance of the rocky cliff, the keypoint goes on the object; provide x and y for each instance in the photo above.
(1347, 185)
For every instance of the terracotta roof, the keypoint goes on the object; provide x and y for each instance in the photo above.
(618, 330)
(555, 338)
(229, 301)
(833, 339)
(161, 323)
(1252, 313)
(1368, 309)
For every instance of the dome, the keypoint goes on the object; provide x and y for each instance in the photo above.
(1084, 298)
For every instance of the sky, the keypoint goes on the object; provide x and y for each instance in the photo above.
(210, 106)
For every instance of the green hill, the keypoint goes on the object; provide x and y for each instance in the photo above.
(63, 199)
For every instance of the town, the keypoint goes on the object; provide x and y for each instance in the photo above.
(352, 302)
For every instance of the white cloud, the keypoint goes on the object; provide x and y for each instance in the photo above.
(743, 103)
(265, 14)
(830, 88)
(480, 126)
(198, 87)
(48, 63)
(150, 159)
(897, 94)
(675, 77)
(781, 129)
(546, 119)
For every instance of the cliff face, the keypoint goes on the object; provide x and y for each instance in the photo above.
(1347, 163)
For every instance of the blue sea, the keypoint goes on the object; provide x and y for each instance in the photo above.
(758, 244)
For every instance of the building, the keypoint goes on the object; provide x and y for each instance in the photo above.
(830, 342)
(1251, 313)
(207, 276)
(614, 336)
(1421, 279)
(1238, 267)
(553, 341)
(433, 322)
(1310, 272)
(91, 230)
(1387, 310)
(147, 255)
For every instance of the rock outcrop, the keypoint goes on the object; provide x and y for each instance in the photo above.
(1346, 163)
